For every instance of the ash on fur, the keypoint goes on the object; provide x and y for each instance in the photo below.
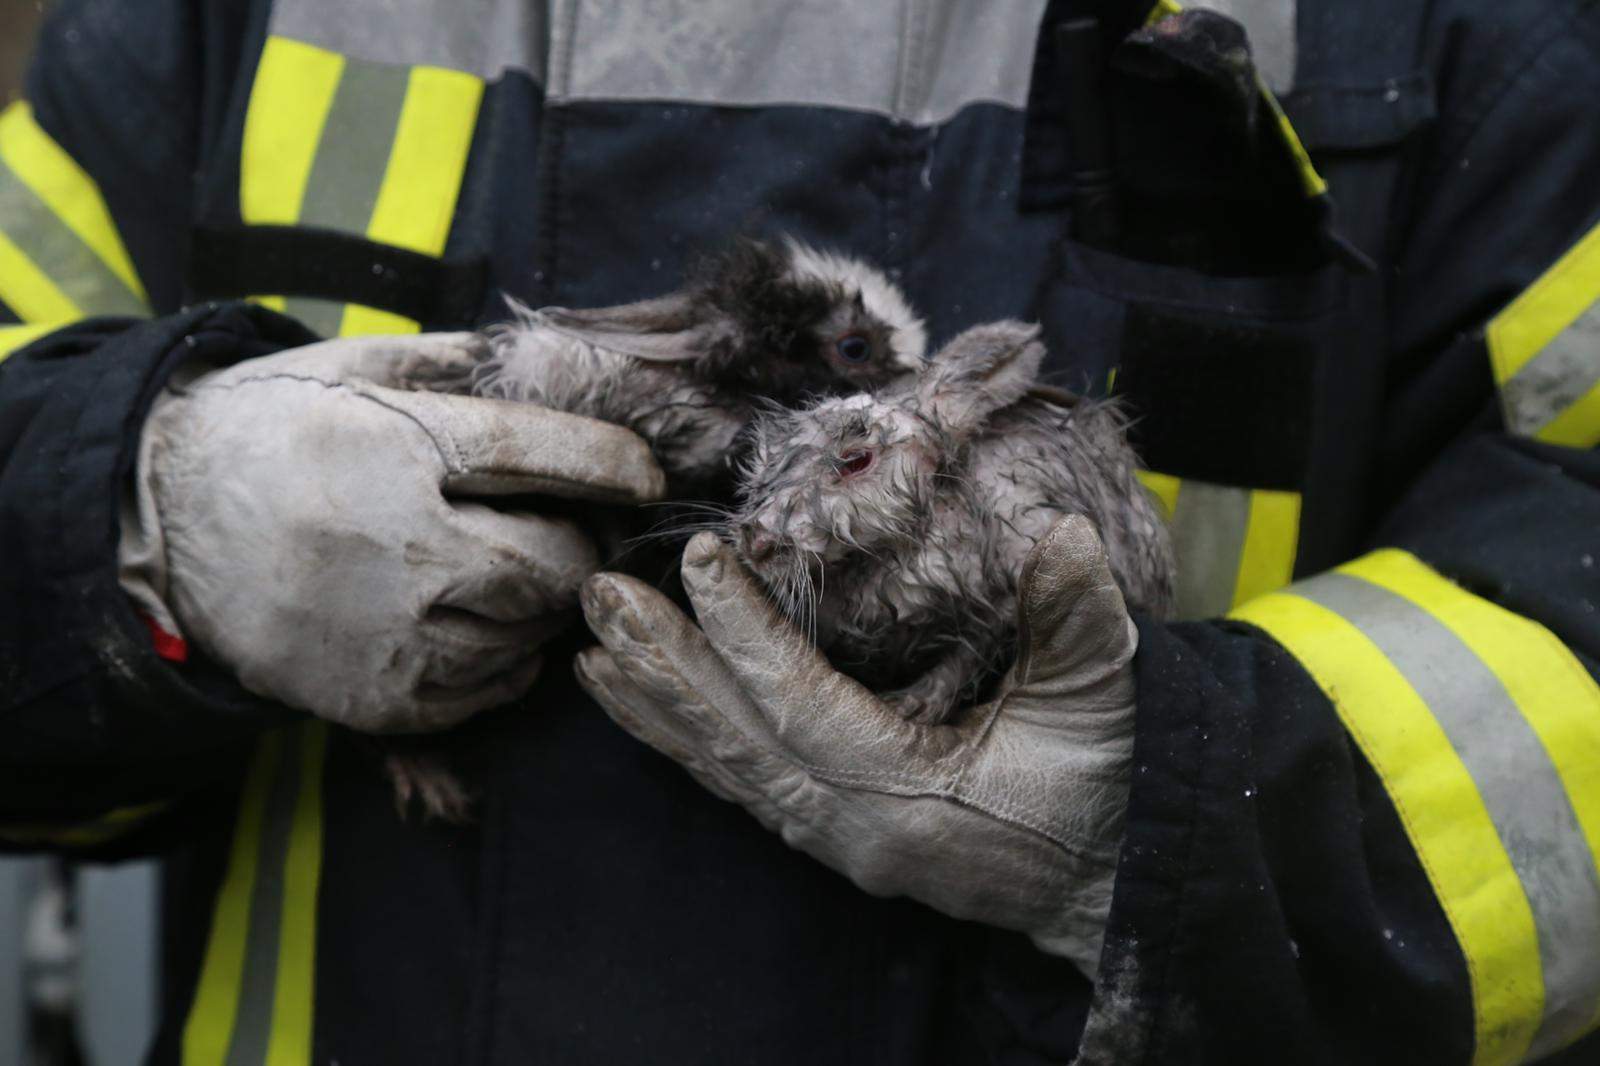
(892, 527)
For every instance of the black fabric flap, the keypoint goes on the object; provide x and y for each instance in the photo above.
(231, 262)
(1359, 117)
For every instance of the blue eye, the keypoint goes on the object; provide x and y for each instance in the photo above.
(853, 348)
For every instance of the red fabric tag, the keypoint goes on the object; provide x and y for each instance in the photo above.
(169, 646)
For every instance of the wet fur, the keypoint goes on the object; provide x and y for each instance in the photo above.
(909, 581)
(752, 325)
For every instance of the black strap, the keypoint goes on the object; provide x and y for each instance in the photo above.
(237, 261)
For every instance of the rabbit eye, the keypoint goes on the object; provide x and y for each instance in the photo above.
(853, 348)
(854, 462)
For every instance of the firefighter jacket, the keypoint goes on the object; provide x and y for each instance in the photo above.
(1350, 295)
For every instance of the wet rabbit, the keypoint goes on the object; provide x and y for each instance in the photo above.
(757, 321)
(893, 527)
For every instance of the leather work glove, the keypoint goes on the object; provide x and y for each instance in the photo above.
(1010, 815)
(304, 518)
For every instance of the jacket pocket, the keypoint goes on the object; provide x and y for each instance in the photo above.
(1219, 374)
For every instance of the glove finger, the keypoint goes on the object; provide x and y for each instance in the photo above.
(515, 567)
(497, 448)
(433, 361)
(659, 724)
(1074, 633)
(663, 653)
(823, 716)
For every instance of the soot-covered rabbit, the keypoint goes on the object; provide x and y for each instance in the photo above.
(757, 322)
(893, 526)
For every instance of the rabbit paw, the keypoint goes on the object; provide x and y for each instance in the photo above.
(923, 703)
(439, 792)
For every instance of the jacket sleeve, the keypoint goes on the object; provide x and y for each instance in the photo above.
(97, 734)
(1365, 813)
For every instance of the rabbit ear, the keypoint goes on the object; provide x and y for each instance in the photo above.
(986, 369)
(665, 329)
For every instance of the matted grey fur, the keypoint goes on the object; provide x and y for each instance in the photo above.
(893, 527)
(757, 322)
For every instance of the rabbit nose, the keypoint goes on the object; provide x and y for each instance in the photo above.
(759, 546)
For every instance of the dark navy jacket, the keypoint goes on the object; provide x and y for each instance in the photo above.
(1361, 816)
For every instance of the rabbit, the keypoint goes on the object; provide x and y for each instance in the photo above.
(757, 321)
(892, 527)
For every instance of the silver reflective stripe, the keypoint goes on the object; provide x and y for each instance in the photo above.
(1556, 378)
(919, 61)
(1519, 785)
(1271, 24)
(322, 317)
(349, 165)
(61, 254)
(349, 168)
(252, 1030)
(1208, 532)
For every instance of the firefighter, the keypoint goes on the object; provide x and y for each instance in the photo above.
(1342, 263)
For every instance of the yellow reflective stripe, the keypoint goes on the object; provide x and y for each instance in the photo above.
(1542, 676)
(1311, 183)
(1164, 487)
(1545, 309)
(417, 199)
(87, 833)
(362, 321)
(1544, 349)
(273, 303)
(71, 195)
(289, 102)
(1445, 817)
(1271, 540)
(28, 291)
(15, 338)
(295, 987)
(1232, 544)
(1579, 425)
(208, 1030)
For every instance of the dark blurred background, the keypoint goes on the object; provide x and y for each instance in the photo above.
(18, 21)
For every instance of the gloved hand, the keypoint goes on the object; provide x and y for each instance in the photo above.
(1010, 815)
(303, 517)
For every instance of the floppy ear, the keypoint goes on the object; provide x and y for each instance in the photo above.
(661, 330)
(986, 369)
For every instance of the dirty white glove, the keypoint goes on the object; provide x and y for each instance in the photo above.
(302, 518)
(1010, 815)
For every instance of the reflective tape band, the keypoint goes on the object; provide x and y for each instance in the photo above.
(1485, 731)
(52, 212)
(322, 317)
(423, 176)
(1544, 348)
(253, 1003)
(356, 146)
(15, 338)
(1232, 544)
(1271, 29)
(1271, 540)
(28, 290)
(289, 103)
(343, 184)
(90, 832)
